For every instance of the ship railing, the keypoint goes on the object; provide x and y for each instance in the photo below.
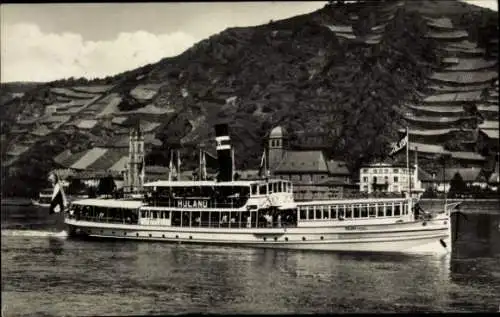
(238, 224)
(104, 219)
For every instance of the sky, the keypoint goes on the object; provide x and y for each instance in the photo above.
(44, 42)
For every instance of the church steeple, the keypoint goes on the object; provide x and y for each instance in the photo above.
(276, 146)
(136, 160)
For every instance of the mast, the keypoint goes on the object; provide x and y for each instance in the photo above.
(233, 171)
(199, 164)
(408, 161)
(444, 183)
(415, 180)
(171, 166)
(178, 165)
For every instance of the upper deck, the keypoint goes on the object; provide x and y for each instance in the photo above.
(212, 194)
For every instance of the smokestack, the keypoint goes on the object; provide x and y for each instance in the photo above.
(224, 156)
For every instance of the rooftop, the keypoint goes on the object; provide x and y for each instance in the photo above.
(303, 161)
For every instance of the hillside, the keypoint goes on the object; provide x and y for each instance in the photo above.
(348, 77)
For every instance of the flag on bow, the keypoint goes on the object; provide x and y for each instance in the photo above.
(59, 201)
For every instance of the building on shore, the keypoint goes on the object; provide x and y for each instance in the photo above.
(389, 178)
(313, 175)
(472, 177)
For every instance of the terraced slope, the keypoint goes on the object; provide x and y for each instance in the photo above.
(347, 77)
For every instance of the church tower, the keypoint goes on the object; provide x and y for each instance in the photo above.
(135, 168)
(276, 146)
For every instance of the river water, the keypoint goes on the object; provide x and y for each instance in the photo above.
(48, 274)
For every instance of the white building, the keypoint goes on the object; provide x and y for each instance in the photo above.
(391, 178)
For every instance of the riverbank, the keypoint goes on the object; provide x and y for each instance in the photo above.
(468, 205)
(16, 201)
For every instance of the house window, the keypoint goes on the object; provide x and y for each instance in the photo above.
(365, 170)
(396, 170)
(365, 179)
(396, 179)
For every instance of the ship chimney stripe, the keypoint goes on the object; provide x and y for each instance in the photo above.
(222, 138)
(223, 147)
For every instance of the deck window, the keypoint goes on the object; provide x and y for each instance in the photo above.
(397, 210)
(319, 211)
(280, 187)
(388, 210)
(372, 211)
(303, 212)
(348, 212)
(356, 211)
(311, 213)
(380, 210)
(143, 213)
(262, 189)
(254, 189)
(327, 212)
(364, 211)
(340, 211)
(155, 216)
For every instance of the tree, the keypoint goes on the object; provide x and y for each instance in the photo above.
(75, 186)
(106, 185)
(457, 185)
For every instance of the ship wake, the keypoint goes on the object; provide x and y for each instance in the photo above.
(34, 233)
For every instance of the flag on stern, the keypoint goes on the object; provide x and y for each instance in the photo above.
(58, 202)
(398, 146)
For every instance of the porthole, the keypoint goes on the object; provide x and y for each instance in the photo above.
(102, 231)
(275, 238)
(191, 237)
(286, 238)
(322, 238)
(163, 236)
(177, 237)
(150, 235)
(264, 238)
(445, 222)
(136, 234)
(303, 238)
(124, 233)
(112, 232)
(424, 223)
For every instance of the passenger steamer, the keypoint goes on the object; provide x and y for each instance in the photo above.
(260, 213)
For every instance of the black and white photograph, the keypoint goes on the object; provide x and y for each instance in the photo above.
(260, 157)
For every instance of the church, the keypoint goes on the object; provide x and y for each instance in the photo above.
(314, 176)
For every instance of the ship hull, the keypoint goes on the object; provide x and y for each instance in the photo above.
(413, 237)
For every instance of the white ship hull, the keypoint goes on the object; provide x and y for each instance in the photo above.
(410, 237)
